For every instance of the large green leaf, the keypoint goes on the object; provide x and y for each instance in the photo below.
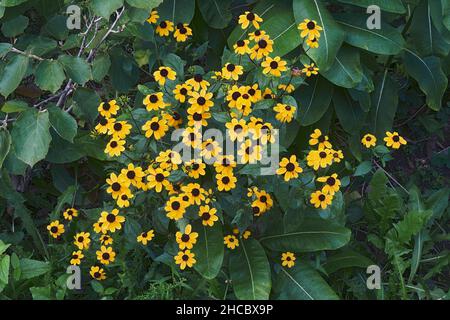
(144, 4)
(429, 75)
(15, 26)
(208, 250)
(13, 74)
(384, 104)
(314, 234)
(313, 100)
(5, 145)
(87, 101)
(350, 114)
(346, 258)
(106, 8)
(332, 35)
(250, 271)
(33, 268)
(216, 13)
(124, 72)
(30, 136)
(177, 10)
(77, 68)
(63, 123)
(301, 283)
(395, 6)
(386, 40)
(50, 75)
(346, 70)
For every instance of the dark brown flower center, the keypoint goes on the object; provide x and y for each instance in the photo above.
(206, 216)
(185, 238)
(175, 205)
(153, 98)
(274, 65)
(235, 95)
(185, 257)
(183, 91)
(197, 116)
(115, 186)
(396, 138)
(201, 101)
(105, 256)
(117, 126)
(106, 106)
(323, 155)
(255, 210)
(331, 181)
(164, 73)
(231, 67)
(80, 239)
(198, 78)
(113, 144)
(322, 197)
(240, 43)
(225, 180)
(110, 218)
(54, 229)
(263, 199)
(195, 192)
(311, 25)
(131, 175)
(159, 177)
(262, 44)
(163, 24)
(154, 126)
(290, 167)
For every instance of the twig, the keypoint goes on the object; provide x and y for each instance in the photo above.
(390, 177)
(26, 54)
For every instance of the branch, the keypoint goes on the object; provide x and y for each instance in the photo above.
(29, 55)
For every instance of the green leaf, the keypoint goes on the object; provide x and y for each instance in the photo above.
(12, 106)
(145, 4)
(63, 123)
(301, 283)
(363, 168)
(124, 72)
(56, 27)
(100, 67)
(177, 10)
(12, 3)
(411, 225)
(345, 259)
(105, 8)
(395, 6)
(208, 250)
(346, 70)
(250, 271)
(76, 68)
(15, 26)
(429, 75)
(4, 269)
(384, 104)
(3, 247)
(216, 13)
(350, 115)
(13, 74)
(5, 48)
(33, 268)
(314, 234)
(87, 101)
(50, 75)
(331, 37)
(5, 145)
(30, 136)
(41, 293)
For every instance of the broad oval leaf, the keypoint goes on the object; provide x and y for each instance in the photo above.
(144, 4)
(395, 6)
(216, 13)
(177, 10)
(250, 271)
(350, 115)
(105, 8)
(13, 74)
(50, 75)
(5, 145)
(344, 259)
(346, 70)
(63, 123)
(76, 68)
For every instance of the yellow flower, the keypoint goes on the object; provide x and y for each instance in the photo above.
(104, 124)
(155, 127)
(285, 113)
(155, 101)
(182, 32)
(264, 199)
(181, 91)
(337, 155)
(133, 174)
(394, 140)
(369, 140)
(55, 229)
(111, 221)
(310, 29)
(225, 181)
(163, 74)
(76, 258)
(117, 185)
(241, 47)
(106, 255)
(319, 140)
(208, 215)
(169, 160)
(119, 129)
(250, 152)
(196, 118)
(319, 158)
(97, 273)
(157, 179)
(237, 129)
(192, 137)
(332, 184)
(70, 213)
(267, 94)
(108, 109)
(321, 200)
(257, 35)
(290, 168)
(288, 259)
(274, 66)
(185, 259)
(231, 241)
(249, 18)
(106, 240)
(164, 28)
(195, 168)
(115, 147)
(201, 101)
(175, 208)
(232, 71)
(225, 164)
(210, 149)
(233, 96)
(246, 234)
(313, 43)
(262, 48)
(123, 201)
(187, 239)
(98, 227)
(153, 18)
(82, 240)
(195, 193)
(197, 82)
(173, 120)
(258, 209)
(286, 88)
(145, 237)
(310, 69)
(254, 92)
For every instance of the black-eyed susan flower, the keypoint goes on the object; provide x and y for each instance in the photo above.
(196, 118)
(241, 47)
(97, 273)
(82, 240)
(173, 119)
(119, 129)
(369, 140)
(268, 94)
(337, 155)
(106, 240)
(103, 125)
(210, 149)
(284, 112)
(313, 43)
(201, 101)
(192, 137)
(225, 164)
(320, 140)
(195, 193)
(208, 215)
(246, 234)
(164, 28)
(310, 29)
(231, 241)
(108, 109)
(237, 129)
(55, 229)
(117, 185)
(98, 227)
(181, 91)
(163, 74)
(289, 88)
(76, 258)
(319, 158)
(187, 239)
(288, 259)
(232, 71)
(233, 96)
(225, 181)
(157, 179)
(310, 69)
(244, 102)
(289, 168)
(133, 174)
(169, 160)
(332, 184)
(123, 201)
(258, 209)
(321, 200)
(115, 147)
(394, 140)
(257, 35)
(111, 221)
(195, 168)
(249, 152)
(249, 18)
(267, 133)
(106, 255)
(155, 127)
(263, 198)
(175, 208)
(274, 66)
(153, 18)
(254, 92)
(198, 82)
(182, 32)
(155, 101)
(145, 237)
(251, 191)
(70, 213)
(185, 259)
(262, 48)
